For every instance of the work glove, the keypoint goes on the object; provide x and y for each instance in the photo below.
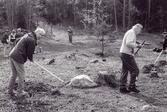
(139, 45)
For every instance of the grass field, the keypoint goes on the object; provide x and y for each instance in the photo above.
(41, 85)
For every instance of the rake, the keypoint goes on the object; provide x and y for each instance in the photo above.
(154, 70)
(49, 72)
(158, 57)
(139, 48)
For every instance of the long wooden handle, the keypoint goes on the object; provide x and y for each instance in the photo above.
(49, 72)
(158, 57)
(139, 48)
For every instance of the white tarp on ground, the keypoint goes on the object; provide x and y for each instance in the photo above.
(82, 81)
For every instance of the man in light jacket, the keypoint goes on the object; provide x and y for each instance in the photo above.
(128, 60)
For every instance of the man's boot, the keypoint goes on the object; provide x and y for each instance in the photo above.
(133, 89)
(124, 90)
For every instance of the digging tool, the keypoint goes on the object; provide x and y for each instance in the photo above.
(49, 72)
(154, 72)
(158, 57)
(139, 48)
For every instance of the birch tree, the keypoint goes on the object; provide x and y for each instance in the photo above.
(124, 14)
(10, 12)
(129, 12)
(149, 12)
(115, 16)
(19, 13)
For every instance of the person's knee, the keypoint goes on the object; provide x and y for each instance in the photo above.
(21, 74)
(13, 77)
(135, 72)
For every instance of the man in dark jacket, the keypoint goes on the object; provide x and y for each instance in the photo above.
(70, 34)
(165, 40)
(4, 41)
(22, 51)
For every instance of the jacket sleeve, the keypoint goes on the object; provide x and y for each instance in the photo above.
(30, 49)
(131, 40)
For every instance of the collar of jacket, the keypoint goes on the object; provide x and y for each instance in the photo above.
(33, 36)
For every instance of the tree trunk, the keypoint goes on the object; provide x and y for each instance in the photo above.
(149, 11)
(124, 11)
(29, 14)
(51, 29)
(161, 20)
(94, 13)
(74, 13)
(115, 16)
(85, 26)
(129, 13)
(10, 11)
(102, 45)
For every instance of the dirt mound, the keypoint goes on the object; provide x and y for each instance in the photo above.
(162, 63)
(104, 78)
(38, 87)
(148, 68)
(154, 74)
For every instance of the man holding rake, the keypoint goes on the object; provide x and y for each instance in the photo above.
(22, 51)
(165, 41)
(128, 60)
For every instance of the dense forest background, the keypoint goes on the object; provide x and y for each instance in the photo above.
(116, 15)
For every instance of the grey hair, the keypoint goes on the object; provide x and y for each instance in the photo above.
(137, 26)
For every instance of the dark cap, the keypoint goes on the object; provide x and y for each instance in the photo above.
(164, 34)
